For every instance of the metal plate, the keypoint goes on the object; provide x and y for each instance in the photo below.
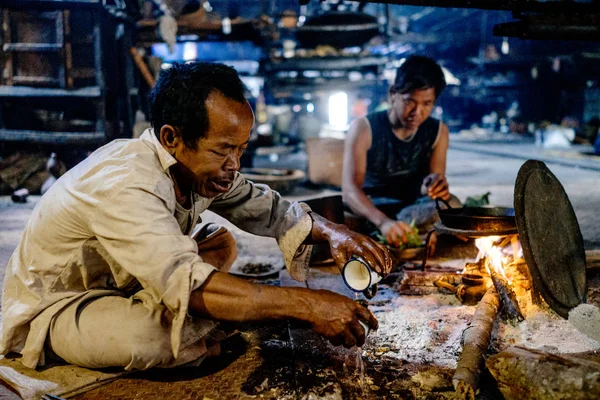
(550, 237)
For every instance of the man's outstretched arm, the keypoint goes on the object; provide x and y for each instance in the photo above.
(228, 298)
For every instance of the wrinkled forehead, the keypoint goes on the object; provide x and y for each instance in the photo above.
(221, 109)
(229, 123)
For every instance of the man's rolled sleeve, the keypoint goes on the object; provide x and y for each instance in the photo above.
(137, 228)
(257, 209)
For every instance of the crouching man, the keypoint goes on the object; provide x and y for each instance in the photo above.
(107, 274)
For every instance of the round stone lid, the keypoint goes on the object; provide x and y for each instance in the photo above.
(550, 236)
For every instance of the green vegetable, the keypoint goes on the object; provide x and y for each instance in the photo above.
(478, 201)
(414, 240)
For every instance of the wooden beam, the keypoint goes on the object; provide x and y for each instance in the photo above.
(35, 80)
(549, 31)
(51, 4)
(30, 92)
(33, 47)
(557, 7)
(15, 135)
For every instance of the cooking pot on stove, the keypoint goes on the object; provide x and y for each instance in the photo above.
(548, 232)
(337, 29)
(477, 218)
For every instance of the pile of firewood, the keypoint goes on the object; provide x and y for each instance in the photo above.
(522, 373)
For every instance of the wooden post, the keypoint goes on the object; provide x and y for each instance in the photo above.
(68, 51)
(144, 70)
(8, 59)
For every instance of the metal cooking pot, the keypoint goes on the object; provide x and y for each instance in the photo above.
(477, 218)
(337, 29)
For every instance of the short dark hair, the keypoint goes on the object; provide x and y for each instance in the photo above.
(419, 72)
(180, 93)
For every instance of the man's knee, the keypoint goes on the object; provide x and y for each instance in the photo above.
(230, 252)
(110, 331)
(217, 247)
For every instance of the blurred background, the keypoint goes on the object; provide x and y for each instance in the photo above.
(76, 74)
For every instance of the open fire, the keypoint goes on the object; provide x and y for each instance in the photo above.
(500, 268)
(503, 271)
(435, 329)
(527, 353)
(504, 256)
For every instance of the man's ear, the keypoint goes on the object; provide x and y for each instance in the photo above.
(170, 138)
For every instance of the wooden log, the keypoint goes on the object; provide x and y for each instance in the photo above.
(413, 290)
(144, 70)
(427, 277)
(507, 296)
(476, 339)
(531, 374)
(592, 260)
(416, 282)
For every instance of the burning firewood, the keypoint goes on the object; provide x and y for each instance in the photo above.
(526, 373)
(476, 339)
(495, 262)
(511, 308)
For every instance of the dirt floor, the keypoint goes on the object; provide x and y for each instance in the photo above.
(413, 354)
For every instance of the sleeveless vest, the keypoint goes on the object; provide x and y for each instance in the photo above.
(396, 168)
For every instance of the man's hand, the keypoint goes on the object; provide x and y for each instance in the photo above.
(336, 317)
(228, 298)
(345, 244)
(395, 232)
(436, 186)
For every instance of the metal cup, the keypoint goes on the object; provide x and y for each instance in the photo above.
(358, 276)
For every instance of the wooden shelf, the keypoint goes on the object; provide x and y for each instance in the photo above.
(13, 135)
(36, 80)
(78, 36)
(25, 91)
(33, 47)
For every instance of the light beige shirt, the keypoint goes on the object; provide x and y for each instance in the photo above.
(112, 222)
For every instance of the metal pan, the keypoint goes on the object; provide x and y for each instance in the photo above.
(477, 218)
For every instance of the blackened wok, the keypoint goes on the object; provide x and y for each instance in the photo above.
(477, 218)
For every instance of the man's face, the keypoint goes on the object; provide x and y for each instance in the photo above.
(210, 168)
(412, 109)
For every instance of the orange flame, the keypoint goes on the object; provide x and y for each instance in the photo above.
(493, 254)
